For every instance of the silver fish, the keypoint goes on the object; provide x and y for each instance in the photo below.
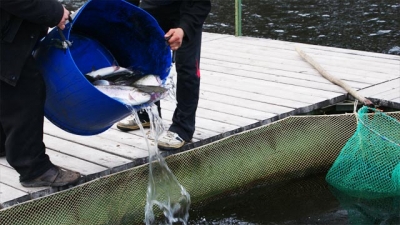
(125, 94)
(149, 84)
(102, 82)
(109, 73)
(150, 88)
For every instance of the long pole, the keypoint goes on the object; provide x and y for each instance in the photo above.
(238, 17)
(333, 79)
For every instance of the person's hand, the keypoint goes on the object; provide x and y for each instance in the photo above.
(174, 38)
(64, 19)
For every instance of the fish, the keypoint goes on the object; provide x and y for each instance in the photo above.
(150, 84)
(110, 73)
(126, 81)
(128, 95)
(102, 82)
(150, 89)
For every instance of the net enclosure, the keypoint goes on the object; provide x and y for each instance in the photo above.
(272, 154)
(368, 166)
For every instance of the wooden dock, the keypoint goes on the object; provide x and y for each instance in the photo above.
(245, 83)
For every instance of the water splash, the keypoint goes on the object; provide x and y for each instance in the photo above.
(164, 190)
(169, 84)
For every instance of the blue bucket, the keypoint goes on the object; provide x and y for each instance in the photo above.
(102, 32)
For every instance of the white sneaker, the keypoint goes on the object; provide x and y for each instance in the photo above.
(129, 123)
(170, 141)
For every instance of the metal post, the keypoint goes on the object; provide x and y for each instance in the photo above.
(238, 17)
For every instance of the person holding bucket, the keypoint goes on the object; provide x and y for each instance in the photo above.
(182, 20)
(23, 92)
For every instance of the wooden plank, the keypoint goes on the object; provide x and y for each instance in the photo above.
(136, 140)
(291, 58)
(199, 133)
(389, 95)
(282, 64)
(211, 114)
(129, 150)
(208, 37)
(11, 177)
(10, 196)
(282, 80)
(279, 75)
(253, 96)
(211, 125)
(113, 162)
(270, 107)
(235, 110)
(354, 79)
(362, 63)
(380, 88)
(89, 170)
(258, 89)
(221, 79)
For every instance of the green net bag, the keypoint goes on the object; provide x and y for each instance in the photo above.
(368, 166)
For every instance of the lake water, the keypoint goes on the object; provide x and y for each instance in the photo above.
(366, 25)
(307, 201)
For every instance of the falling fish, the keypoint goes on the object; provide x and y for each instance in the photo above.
(125, 94)
(109, 73)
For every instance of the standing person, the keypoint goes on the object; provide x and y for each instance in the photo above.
(182, 20)
(23, 92)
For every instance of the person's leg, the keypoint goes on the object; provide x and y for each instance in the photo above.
(21, 116)
(187, 88)
(188, 79)
(21, 119)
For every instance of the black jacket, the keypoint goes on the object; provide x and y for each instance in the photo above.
(23, 23)
(186, 14)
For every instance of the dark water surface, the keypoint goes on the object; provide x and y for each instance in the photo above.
(367, 25)
(307, 201)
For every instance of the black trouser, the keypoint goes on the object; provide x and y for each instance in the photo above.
(21, 120)
(188, 75)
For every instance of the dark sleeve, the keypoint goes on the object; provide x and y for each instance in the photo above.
(193, 14)
(43, 12)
